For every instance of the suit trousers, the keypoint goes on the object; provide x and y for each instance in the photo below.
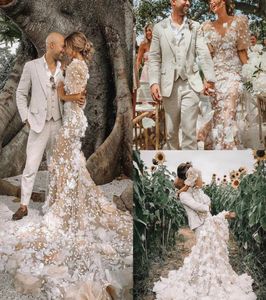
(36, 145)
(181, 110)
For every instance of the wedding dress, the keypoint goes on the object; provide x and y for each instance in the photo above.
(229, 85)
(82, 247)
(206, 273)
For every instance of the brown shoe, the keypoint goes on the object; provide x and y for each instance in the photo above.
(20, 213)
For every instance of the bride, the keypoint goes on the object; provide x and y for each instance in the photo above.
(206, 273)
(81, 248)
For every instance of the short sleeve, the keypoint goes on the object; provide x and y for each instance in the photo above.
(243, 35)
(192, 176)
(76, 77)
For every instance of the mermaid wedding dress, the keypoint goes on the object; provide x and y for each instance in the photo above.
(82, 247)
(224, 132)
(206, 273)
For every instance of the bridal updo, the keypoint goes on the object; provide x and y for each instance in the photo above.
(77, 41)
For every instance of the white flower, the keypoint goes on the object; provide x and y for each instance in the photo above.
(259, 85)
(257, 48)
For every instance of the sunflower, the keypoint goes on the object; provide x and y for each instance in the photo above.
(259, 155)
(232, 174)
(235, 183)
(153, 169)
(160, 157)
(224, 181)
(154, 161)
(243, 170)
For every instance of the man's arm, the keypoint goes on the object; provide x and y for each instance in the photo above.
(23, 92)
(155, 58)
(187, 199)
(79, 98)
(205, 58)
(154, 69)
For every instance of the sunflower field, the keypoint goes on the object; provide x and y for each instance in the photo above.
(157, 216)
(245, 194)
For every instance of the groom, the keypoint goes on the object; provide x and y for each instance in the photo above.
(43, 114)
(174, 74)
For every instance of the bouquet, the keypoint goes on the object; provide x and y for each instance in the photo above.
(254, 72)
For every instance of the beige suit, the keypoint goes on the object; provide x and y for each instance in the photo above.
(173, 65)
(193, 209)
(44, 114)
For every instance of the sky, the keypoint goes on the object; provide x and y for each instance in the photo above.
(208, 162)
(12, 48)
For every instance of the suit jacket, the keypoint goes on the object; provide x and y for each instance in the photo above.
(163, 59)
(193, 209)
(34, 78)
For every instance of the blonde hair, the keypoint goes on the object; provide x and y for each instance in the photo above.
(77, 41)
(145, 30)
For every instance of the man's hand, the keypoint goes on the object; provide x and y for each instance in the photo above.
(156, 92)
(80, 99)
(209, 88)
(27, 123)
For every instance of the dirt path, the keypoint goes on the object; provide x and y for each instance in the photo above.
(185, 241)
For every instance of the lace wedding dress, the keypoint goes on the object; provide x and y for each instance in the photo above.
(206, 273)
(229, 85)
(82, 247)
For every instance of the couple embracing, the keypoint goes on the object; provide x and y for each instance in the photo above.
(206, 272)
(82, 246)
(179, 46)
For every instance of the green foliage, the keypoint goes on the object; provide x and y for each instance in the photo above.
(157, 217)
(9, 32)
(249, 227)
(6, 62)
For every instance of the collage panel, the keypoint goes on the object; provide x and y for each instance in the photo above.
(199, 224)
(65, 161)
(199, 150)
(199, 75)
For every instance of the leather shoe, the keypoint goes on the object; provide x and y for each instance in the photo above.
(20, 213)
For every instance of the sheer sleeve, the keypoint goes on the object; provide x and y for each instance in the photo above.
(243, 38)
(206, 31)
(76, 77)
(192, 176)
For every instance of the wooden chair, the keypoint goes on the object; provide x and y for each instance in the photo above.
(149, 138)
(261, 103)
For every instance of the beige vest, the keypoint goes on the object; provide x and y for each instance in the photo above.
(180, 70)
(53, 109)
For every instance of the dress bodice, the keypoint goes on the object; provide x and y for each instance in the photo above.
(224, 48)
(75, 82)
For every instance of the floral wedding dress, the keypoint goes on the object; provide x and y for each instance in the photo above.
(82, 247)
(229, 85)
(206, 273)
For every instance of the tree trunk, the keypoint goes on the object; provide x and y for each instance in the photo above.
(107, 143)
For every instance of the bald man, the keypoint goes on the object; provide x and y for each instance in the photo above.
(43, 114)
